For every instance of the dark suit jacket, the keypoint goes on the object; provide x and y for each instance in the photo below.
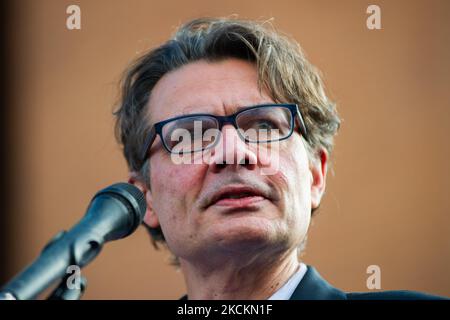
(314, 287)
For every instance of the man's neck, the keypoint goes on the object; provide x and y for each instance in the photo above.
(257, 280)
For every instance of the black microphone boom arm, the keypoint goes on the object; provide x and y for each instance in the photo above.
(114, 213)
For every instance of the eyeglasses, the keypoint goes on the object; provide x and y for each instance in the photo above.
(197, 132)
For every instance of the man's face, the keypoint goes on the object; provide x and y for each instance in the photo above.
(275, 213)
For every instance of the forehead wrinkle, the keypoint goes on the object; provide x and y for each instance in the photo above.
(204, 100)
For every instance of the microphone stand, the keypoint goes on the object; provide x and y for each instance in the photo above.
(63, 291)
(80, 252)
(114, 213)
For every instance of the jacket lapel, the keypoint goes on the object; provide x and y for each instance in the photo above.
(314, 287)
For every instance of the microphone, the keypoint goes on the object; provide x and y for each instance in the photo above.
(114, 213)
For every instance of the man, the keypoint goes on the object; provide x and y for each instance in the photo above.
(228, 131)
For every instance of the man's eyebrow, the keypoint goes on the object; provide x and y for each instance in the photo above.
(239, 108)
(189, 110)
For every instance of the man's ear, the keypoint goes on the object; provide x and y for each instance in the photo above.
(318, 168)
(150, 218)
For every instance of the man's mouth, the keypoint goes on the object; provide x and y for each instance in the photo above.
(237, 197)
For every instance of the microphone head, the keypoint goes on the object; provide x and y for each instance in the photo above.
(131, 197)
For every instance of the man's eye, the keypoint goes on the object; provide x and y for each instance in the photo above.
(265, 125)
(189, 129)
(177, 130)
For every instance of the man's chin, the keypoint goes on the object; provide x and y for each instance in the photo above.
(243, 234)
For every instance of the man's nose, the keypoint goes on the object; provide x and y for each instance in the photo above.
(232, 150)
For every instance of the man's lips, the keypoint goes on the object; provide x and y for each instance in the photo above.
(240, 202)
(237, 196)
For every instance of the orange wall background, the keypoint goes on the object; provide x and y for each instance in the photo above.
(387, 202)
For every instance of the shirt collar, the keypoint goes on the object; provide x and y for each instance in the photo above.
(286, 291)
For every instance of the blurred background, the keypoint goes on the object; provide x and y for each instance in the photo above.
(387, 203)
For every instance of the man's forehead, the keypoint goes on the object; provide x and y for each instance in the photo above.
(217, 88)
